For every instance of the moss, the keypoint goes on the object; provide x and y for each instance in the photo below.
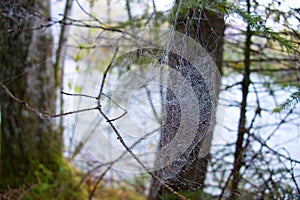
(118, 193)
(193, 195)
(62, 185)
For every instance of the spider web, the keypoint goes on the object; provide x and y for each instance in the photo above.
(204, 26)
(167, 84)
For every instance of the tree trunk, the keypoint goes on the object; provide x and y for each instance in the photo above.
(27, 140)
(206, 27)
(239, 145)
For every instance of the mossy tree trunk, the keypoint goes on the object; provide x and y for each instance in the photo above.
(27, 140)
(206, 27)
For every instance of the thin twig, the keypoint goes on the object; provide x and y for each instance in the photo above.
(151, 103)
(116, 160)
(111, 163)
(80, 95)
(39, 114)
(72, 112)
(42, 114)
(120, 138)
(87, 13)
(105, 74)
(92, 97)
(264, 144)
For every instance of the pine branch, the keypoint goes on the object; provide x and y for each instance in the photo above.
(289, 103)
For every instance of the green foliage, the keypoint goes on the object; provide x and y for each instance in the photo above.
(61, 185)
(139, 182)
(121, 192)
(284, 42)
(257, 22)
(192, 195)
(215, 6)
(291, 102)
(77, 57)
(258, 25)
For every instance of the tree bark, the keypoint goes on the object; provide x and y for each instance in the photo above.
(207, 28)
(27, 140)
